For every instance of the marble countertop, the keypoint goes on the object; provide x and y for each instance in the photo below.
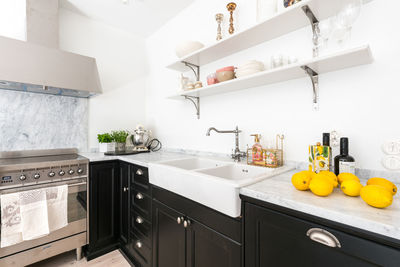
(142, 159)
(337, 207)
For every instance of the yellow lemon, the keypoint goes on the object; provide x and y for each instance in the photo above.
(376, 196)
(331, 176)
(383, 182)
(347, 176)
(321, 187)
(301, 180)
(351, 188)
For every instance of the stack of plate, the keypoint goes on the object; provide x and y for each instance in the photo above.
(250, 67)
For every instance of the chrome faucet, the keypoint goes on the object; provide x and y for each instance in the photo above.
(237, 155)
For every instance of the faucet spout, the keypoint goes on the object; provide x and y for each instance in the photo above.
(237, 154)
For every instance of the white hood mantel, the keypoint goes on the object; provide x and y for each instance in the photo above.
(34, 68)
(37, 65)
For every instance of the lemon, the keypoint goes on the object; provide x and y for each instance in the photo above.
(376, 196)
(351, 188)
(383, 182)
(331, 176)
(347, 176)
(321, 187)
(301, 180)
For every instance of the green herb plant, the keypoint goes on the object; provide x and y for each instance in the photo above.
(105, 138)
(119, 136)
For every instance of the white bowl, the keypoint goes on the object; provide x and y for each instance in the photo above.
(187, 47)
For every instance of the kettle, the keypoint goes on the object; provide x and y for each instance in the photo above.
(141, 138)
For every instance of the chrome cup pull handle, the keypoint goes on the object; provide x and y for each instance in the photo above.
(323, 237)
(139, 172)
(139, 220)
(139, 196)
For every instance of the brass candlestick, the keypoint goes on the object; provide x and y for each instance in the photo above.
(231, 7)
(219, 18)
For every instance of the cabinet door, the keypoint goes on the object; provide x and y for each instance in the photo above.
(276, 239)
(169, 237)
(124, 172)
(208, 248)
(103, 202)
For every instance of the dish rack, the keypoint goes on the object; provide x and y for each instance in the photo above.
(272, 157)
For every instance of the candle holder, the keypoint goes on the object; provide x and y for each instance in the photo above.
(231, 7)
(219, 18)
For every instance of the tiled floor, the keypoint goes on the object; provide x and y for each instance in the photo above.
(68, 259)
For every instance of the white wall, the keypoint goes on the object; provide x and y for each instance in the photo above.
(121, 62)
(361, 102)
(13, 19)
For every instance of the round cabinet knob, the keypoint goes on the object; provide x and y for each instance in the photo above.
(79, 171)
(139, 220)
(126, 189)
(52, 174)
(139, 196)
(71, 171)
(22, 177)
(179, 220)
(186, 224)
(139, 172)
(139, 244)
(36, 176)
(61, 173)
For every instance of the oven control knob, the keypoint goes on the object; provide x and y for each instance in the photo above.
(22, 177)
(61, 173)
(36, 176)
(52, 174)
(71, 171)
(79, 171)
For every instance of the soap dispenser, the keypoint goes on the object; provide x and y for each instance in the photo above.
(257, 151)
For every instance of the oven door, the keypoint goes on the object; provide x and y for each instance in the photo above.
(77, 215)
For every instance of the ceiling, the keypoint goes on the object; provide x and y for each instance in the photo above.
(142, 17)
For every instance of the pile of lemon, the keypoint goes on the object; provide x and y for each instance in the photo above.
(377, 193)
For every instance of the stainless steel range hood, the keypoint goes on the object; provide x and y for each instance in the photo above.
(38, 66)
(26, 66)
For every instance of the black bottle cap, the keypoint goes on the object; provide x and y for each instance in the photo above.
(344, 146)
(326, 138)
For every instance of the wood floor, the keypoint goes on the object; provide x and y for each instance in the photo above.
(68, 259)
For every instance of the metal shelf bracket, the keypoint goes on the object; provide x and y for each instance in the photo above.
(196, 102)
(315, 28)
(315, 82)
(194, 68)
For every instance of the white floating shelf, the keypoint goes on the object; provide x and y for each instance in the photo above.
(289, 20)
(337, 61)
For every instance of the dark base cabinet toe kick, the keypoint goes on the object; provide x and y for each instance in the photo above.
(155, 227)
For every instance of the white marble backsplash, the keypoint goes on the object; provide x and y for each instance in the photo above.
(39, 121)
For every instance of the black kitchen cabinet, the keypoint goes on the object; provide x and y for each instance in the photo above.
(208, 248)
(124, 210)
(182, 236)
(273, 238)
(169, 240)
(103, 208)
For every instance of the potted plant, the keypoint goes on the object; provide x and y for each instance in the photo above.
(105, 142)
(119, 138)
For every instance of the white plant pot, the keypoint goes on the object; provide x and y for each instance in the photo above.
(106, 147)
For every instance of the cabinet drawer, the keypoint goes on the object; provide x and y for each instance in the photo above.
(270, 234)
(141, 225)
(141, 203)
(140, 179)
(140, 250)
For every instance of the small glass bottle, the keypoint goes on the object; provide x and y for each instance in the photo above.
(344, 162)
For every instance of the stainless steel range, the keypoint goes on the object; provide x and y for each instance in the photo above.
(28, 170)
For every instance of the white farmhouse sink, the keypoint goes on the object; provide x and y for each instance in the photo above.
(215, 184)
(193, 163)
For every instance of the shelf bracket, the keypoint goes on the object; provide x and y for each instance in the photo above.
(315, 83)
(194, 68)
(196, 102)
(315, 28)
